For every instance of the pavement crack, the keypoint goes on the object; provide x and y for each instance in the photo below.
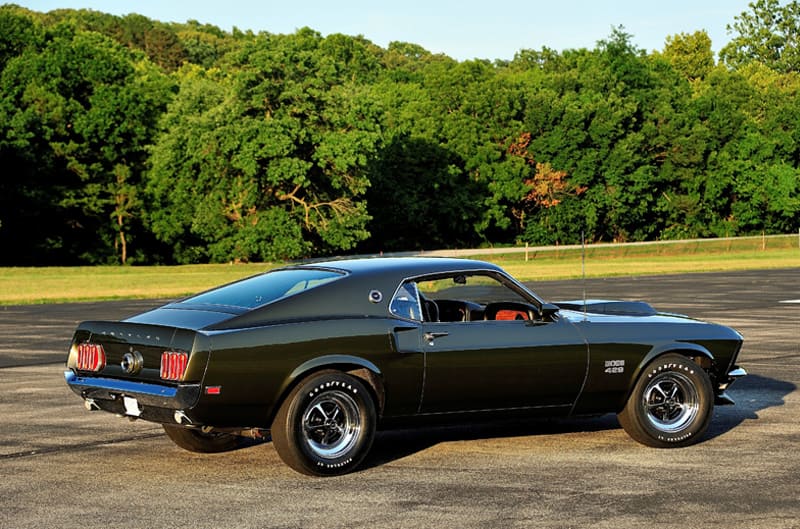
(768, 360)
(77, 447)
(31, 364)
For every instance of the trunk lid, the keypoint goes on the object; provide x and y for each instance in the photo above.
(184, 316)
(133, 351)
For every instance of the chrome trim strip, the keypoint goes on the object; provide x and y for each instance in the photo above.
(121, 386)
(104, 389)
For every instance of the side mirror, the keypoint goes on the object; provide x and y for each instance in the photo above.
(548, 310)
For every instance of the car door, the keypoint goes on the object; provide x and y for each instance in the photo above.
(486, 365)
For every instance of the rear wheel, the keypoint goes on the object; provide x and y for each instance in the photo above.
(670, 405)
(196, 440)
(326, 425)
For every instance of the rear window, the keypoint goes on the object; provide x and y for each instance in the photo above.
(262, 289)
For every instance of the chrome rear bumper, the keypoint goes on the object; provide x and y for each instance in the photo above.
(110, 389)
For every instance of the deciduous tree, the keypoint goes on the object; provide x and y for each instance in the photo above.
(768, 33)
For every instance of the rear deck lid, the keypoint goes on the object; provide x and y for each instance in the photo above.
(136, 352)
(191, 317)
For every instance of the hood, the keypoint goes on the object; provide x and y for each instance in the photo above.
(611, 307)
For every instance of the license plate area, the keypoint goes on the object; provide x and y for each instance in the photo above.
(132, 407)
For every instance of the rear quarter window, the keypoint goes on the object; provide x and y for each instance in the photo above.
(265, 288)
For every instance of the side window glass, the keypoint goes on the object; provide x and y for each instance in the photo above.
(472, 298)
(405, 302)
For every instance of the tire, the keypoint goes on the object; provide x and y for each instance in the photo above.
(196, 440)
(326, 425)
(670, 405)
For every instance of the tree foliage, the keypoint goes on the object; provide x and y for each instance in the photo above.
(78, 112)
(268, 163)
(690, 55)
(124, 139)
(768, 34)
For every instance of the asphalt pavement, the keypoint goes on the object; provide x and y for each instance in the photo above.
(64, 467)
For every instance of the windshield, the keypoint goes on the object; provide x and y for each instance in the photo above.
(265, 288)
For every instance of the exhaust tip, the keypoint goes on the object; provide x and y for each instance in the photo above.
(181, 417)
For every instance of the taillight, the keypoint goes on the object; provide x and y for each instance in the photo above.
(173, 365)
(91, 357)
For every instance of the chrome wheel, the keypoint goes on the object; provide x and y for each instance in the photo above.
(326, 424)
(671, 402)
(331, 424)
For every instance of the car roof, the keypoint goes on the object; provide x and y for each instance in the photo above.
(353, 294)
(403, 266)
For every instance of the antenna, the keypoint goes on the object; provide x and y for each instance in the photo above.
(583, 270)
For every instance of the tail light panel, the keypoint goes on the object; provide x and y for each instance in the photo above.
(91, 357)
(173, 365)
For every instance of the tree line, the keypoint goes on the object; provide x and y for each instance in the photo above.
(129, 140)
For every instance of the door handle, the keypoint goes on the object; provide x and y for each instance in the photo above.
(431, 336)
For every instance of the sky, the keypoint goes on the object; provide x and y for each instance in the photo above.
(462, 29)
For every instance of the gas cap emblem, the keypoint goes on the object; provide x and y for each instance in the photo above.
(132, 362)
(375, 296)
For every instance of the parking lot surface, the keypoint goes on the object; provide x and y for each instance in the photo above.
(64, 467)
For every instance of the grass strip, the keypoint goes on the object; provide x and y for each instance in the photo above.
(68, 284)
(30, 285)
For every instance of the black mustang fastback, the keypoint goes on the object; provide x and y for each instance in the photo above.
(318, 356)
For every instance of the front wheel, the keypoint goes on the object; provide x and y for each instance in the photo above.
(326, 425)
(670, 405)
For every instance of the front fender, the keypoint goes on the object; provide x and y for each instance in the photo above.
(687, 349)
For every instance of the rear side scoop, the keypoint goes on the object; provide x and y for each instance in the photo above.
(601, 306)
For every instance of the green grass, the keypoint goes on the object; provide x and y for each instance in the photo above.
(61, 284)
(89, 283)
(563, 268)
(654, 259)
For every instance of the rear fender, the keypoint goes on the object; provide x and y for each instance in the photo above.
(359, 367)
